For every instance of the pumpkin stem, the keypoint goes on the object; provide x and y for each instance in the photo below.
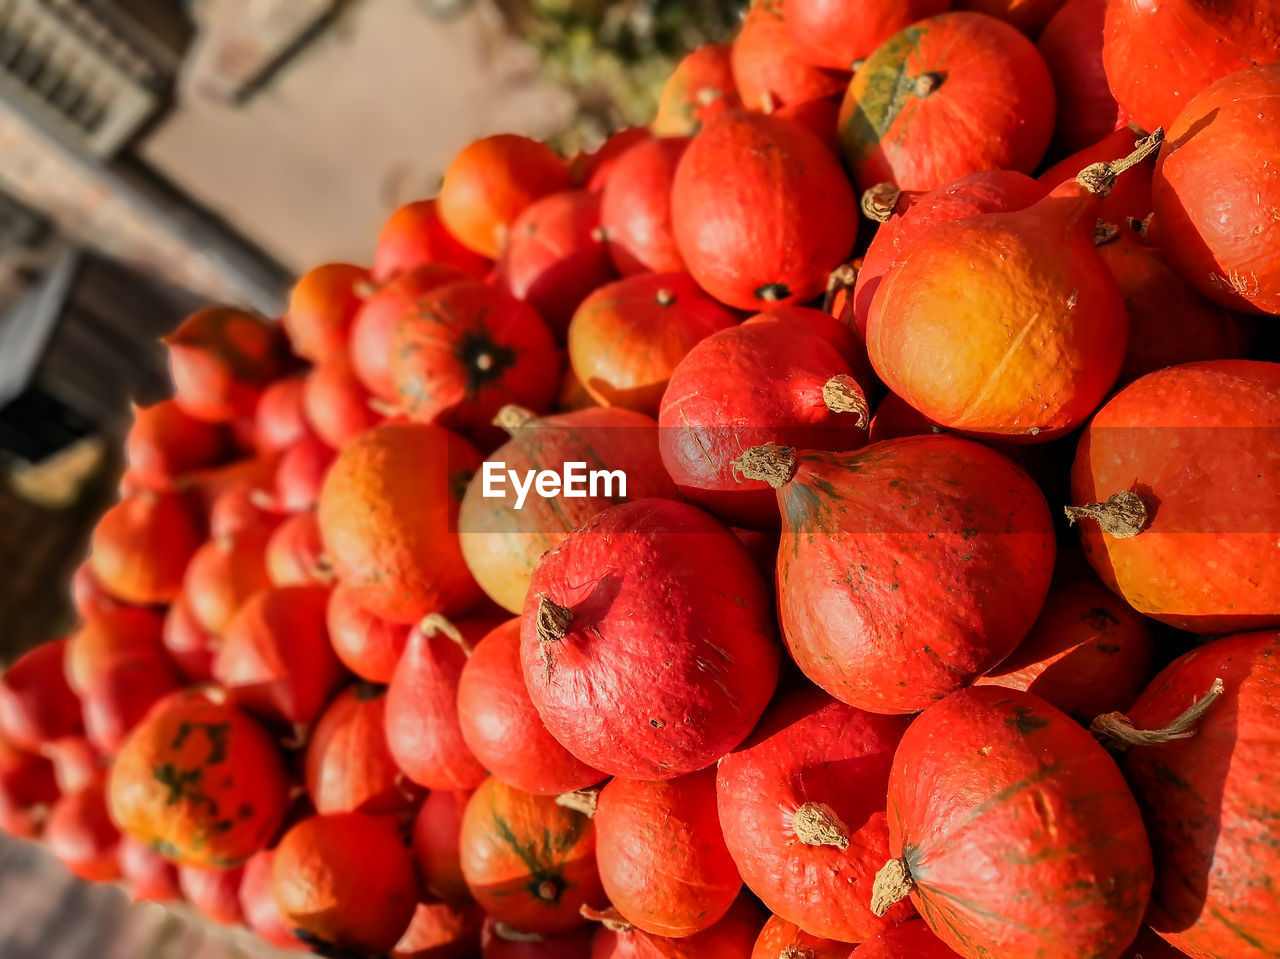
(842, 394)
(383, 408)
(364, 289)
(880, 201)
(553, 620)
(665, 297)
(548, 890)
(926, 84)
(1100, 178)
(512, 417)
(843, 277)
(610, 918)
(323, 571)
(1124, 515)
(506, 933)
(893, 884)
(298, 735)
(771, 463)
(797, 951)
(1116, 732)
(263, 500)
(585, 801)
(816, 824)
(1104, 233)
(433, 624)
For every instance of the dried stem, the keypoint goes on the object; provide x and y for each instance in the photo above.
(1124, 515)
(1116, 732)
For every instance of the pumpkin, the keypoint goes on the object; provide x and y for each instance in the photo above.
(780, 939)
(278, 420)
(258, 904)
(502, 545)
(529, 862)
(37, 705)
(733, 937)
(949, 95)
(761, 210)
(414, 237)
(1029, 16)
(164, 443)
(591, 170)
(490, 183)
(116, 699)
(802, 806)
(855, 599)
(818, 117)
(295, 553)
(839, 35)
(774, 379)
(27, 779)
(301, 474)
(1158, 56)
(1071, 44)
(1088, 652)
(190, 646)
(498, 941)
(440, 931)
(348, 767)
(1131, 197)
(502, 729)
(648, 641)
(701, 86)
(906, 217)
(996, 782)
(911, 940)
(336, 403)
(368, 645)
(275, 656)
(321, 307)
(468, 350)
(627, 337)
(107, 636)
(661, 854)
(148, 876)
(387, 514)
(80, 833)
(220, 359)
(235, 496)
(200, 782)
(573, 395)
(141, 547)
(423, 729)
(1172, 489)
(635, 208)
(1215, 191)
(768, 69)
(1208, 795)
(375, 325)
(1030, 342)
(556, 255)
(435, 835)
(345, 882)
(215, 892)
(223, 573)
(76, 762)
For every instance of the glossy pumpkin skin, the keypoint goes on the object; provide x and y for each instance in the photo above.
(225, 572)
(858, 585)
(733, 937)
(1214, 831)
(117, 699)
(778, 935)
(662, 856)
(529, 862)
(441, 931)
(1197, 443)
(701, 86)
(670, 657)
(500, 942)
(1158, 56)
(986, 102)
(295, 553)
(762, 211)
(147, 875)
(435, 835)
(107, 636)
(141, 546)
(911, 940)
(27, 779)
(836, 35)
(80, 833)
(336, 403)
(1216, 193)
(812, 749)
(232, 497)
(258, 903)
(1004, 324)
(468, 350)
(987, 191)
(490, 183)
(215, 892)
(190, 646)
(164, 443)
(414, 237)
(727, 395)
(997, 779)
(1071, 44)
(591, 171)
(321, 307)
(1131, 197)
(768, 69)
(300, 474)
(278, 421)
(368, 645)
(346, 881)
(220, 359)
(556, 255)
(502, 545)
(37, 705)
(501, 727)
(387, 514)
(635, 208)
(627, 337)
(200, 782)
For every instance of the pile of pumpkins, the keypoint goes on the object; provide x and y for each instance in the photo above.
(887, 299)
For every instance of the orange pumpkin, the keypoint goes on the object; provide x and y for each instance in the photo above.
(164, 443)
(295, 553)
(221, 358)
(368, 645)
(768, 69)
(437, 830)
(223, 573)
(37, 705)
(109, 635)
(414, 237)
(336, 403)
(321, 308)
(142, 545)
(82, 835)
(701, 86)
(440, 930)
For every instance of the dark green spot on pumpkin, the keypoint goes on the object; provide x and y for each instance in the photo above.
(773, 292)
(1024, 721)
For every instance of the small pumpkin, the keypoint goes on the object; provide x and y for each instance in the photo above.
(190, 646)
(148, 876)
(117, 698)
(435, 835)
(27, 779)
(1071, 44)
(336, 404)
(440, 930)
(301, 474)
(37, 704)
(733, 937)
(499, 941)
(414, 237)
(701, 85)
(911, 940)
(321, 307)
(591, 171)
(278, 420)
(780, 939)
(295, 553)
(164, 443)
(368, 645)
(215, 892)
(223, 573)
(81, 833)
(768, 69)
(220, 359)
(258, 903)
(141, 547)
(839, 36)
(107, 636)
(635, 208)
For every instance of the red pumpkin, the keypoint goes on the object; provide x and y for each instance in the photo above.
(661, 855)
(223, 573)
(76, 762)
(321, 308)
(108, 636)
(593, 170)
(727, 395)
(498, 941)
(441, 931)
(295, 553)
(1209, 799)
(414, 237)
(164, 443)
(1172, 484)
(854, 601)
(780, 939)
(141, 547)
(258, 903)
(215, 892)
(301, 474)
(911, 940)
(190, 646)
(1160, 55)
(649, 595)
(1029, 16)
(490, 183)
(220, 359)
(348, 767)
(801, 803)
(82, 835)
(368, 645)
(37, 704)
(27, 780)
(768, 69)
(839, 35)
(733, 937)
(423, 728)
(818, 117)
(148, 876)
(635, 208)
(1131, 197)
(336, 403)
(529, 862)
(117, 699)
(1071, 44)
(994, 781)
(435, 837)
(947, 96)
(762, 211)
(700, 87)
(275, 657)
(388, 515)
(345, 882)
(243, 503)
(278, 421)
(556, 255)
